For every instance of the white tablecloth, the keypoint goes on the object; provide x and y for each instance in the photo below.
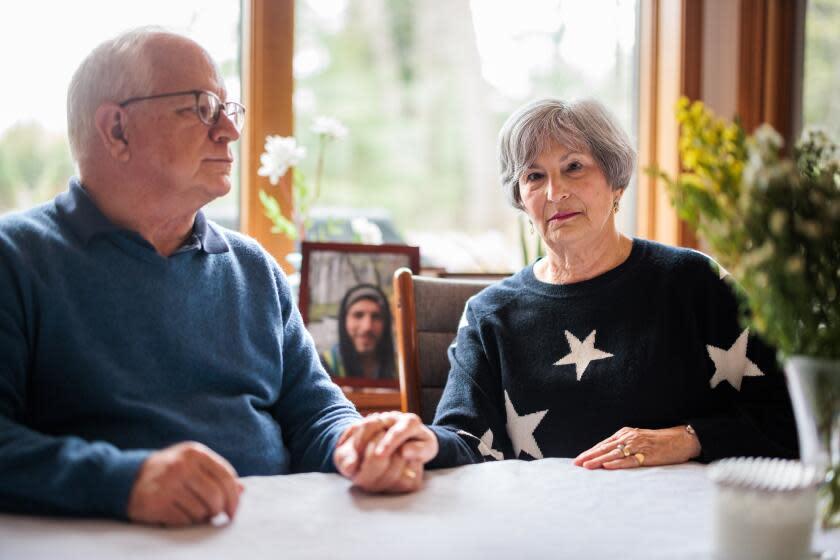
(510, 509)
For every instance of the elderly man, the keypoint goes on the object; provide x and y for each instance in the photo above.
(149, 356)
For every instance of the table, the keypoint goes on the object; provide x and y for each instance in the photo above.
(510, 509)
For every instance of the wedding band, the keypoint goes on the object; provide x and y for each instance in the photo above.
(640, 458)
(621, 448)
(408, 473)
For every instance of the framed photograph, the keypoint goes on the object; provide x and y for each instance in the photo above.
(346, 300)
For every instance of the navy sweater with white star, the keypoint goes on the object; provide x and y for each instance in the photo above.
(544, 370)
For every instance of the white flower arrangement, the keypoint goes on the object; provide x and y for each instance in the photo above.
(366, 231)
(283, 153)
(329, 127)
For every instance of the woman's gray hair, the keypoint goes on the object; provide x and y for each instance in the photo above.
(113, 71)
(584, 125)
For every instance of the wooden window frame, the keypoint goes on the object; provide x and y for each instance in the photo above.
(670, 38)
(267, 87)
(767, 46)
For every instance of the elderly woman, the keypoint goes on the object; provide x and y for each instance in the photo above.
(618, 352)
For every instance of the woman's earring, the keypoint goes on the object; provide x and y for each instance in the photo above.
(531, 225)
(615, 206)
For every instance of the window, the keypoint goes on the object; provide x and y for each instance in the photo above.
(424, 86)
(41, 50)
(821, 102)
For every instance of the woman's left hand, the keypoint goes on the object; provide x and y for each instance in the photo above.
(635, 447)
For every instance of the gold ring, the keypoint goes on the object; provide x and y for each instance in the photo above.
(640, 458)
(408, 473)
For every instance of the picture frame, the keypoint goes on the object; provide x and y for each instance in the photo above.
(342, 289)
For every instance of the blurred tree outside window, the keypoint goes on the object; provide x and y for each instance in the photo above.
(424, 86)
(821, 83)
(39, 55)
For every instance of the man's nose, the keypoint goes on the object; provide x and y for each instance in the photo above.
(224, 129)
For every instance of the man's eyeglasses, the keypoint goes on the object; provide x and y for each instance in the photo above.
(208, 106)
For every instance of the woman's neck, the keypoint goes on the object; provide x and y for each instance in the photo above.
(582, 261)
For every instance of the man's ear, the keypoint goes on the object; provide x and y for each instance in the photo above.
(110, 121)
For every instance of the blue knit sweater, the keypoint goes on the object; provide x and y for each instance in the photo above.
(542, 370)
(109, 351)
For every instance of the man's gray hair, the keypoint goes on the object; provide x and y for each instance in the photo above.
(113, 71)
(584, 125)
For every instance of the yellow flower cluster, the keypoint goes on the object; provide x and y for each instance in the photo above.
(771, 221)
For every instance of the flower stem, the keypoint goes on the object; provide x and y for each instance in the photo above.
(319, 169)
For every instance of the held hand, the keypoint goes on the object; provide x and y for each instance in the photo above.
(184, 484)
(634, 447)
(386, 452)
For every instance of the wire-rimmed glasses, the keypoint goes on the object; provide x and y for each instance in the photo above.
(208, 106)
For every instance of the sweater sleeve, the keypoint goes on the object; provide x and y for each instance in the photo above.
(470, 418)
(39, 473)
(312, 410)
(751, 409)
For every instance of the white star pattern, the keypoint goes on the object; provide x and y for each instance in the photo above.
(520, 429)
(581, 353)
(485, 444)
(463, 322)
(732, 365)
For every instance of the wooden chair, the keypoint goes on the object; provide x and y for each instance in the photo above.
(428, 311)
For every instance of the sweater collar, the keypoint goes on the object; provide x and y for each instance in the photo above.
(87, 221)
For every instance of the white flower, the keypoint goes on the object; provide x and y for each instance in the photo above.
(795, 264)
(767, 137)
(778, 220)
(281, 153)
(367, 231)
(809, 228)
(816, 138)
(329, 127)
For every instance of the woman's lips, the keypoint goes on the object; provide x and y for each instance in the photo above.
(563, 216)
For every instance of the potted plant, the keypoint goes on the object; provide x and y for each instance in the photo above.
(773, 222)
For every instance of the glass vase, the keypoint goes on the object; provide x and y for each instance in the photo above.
(815, 392)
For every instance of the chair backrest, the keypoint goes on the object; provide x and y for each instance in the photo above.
(428, 311)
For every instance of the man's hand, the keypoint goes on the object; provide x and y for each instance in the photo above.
(184, 484)
(386, 452)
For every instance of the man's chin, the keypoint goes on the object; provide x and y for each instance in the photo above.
(218, 188)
